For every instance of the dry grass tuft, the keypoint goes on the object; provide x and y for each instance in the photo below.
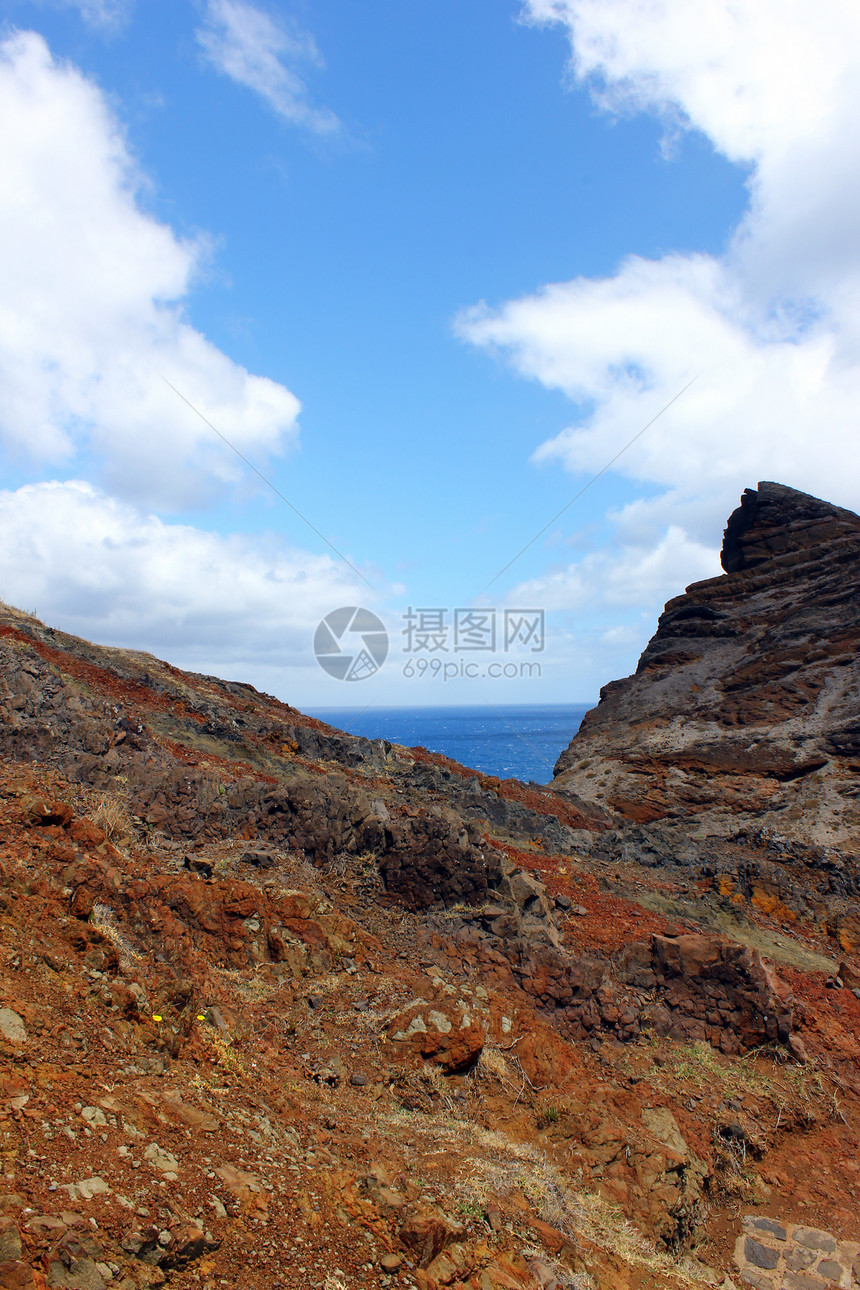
(492, 1061)
(104, 919)
(110, 813)
(248, 984)
(14, 611)
(229, 1059)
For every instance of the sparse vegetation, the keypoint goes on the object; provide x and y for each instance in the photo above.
(104, 920)
(471, 1209)
(229, 1058)
(463, 908)
(110, 813)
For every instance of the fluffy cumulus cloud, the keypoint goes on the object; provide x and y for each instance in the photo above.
(91, 319)
(91, 329)
(770, 330)
(246, 44)
(774, 85)
(100, 568)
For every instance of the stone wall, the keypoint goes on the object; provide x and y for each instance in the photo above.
(788, 1256)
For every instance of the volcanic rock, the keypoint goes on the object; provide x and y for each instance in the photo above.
(745, 705)
(449, 1032)
(342, 1000)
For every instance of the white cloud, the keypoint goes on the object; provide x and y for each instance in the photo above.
(774, 84)
(630, 577)
(244, 43)
(91, 316)
(771, 330)
(106, 14)
(756, 76)
(761, 406)
(101, 569)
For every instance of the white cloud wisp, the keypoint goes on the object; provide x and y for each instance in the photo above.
(245, 44)
(107, 15)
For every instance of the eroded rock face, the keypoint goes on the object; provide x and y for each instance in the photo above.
(745, 705)
(428, 860)
(200, 760)
(709, 988)
(693, 988)
(448, 1031)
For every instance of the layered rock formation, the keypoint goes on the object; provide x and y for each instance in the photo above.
(744, 711)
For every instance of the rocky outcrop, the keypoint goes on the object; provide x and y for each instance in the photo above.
(694, 988)
(745, 705)
(449, 1030)
(430, 859)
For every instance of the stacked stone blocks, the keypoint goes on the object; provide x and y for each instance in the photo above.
(789, 1256)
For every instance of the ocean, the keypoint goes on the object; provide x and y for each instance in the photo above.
(513, 742)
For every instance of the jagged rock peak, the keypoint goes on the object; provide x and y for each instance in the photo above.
(745, 705)
(774, 519)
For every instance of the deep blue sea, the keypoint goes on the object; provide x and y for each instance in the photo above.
(513, 742)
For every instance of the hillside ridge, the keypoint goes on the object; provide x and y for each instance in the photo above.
(284, 1007)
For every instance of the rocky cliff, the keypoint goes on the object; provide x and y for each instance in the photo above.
(281, 1007)
(744, 711)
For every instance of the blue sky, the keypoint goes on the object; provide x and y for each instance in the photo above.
(429, 267)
